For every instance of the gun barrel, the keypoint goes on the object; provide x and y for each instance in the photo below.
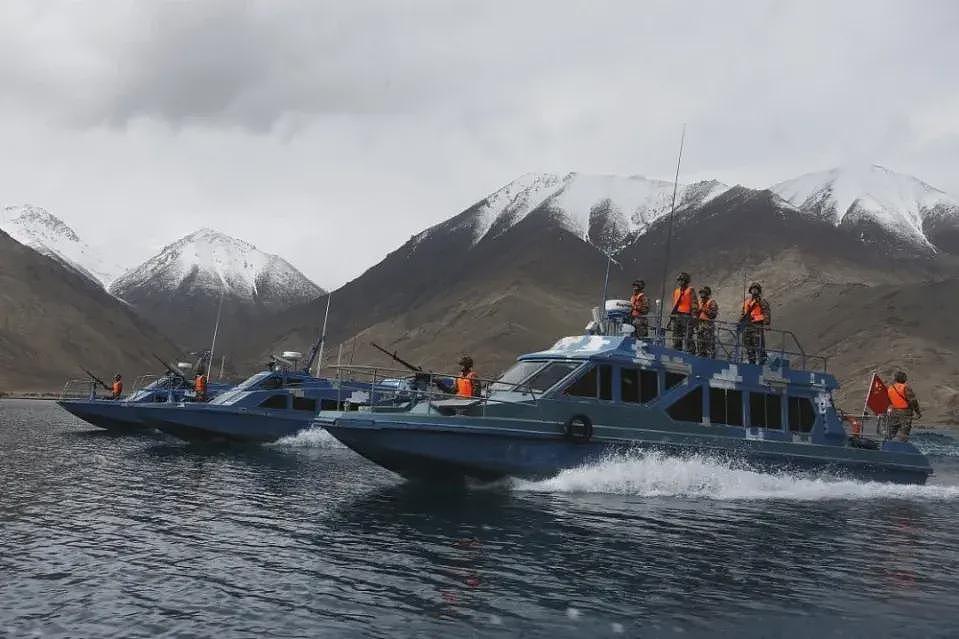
(396, 358)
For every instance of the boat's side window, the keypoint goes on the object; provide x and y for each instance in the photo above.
(304, 403)
(596, 382)
(801, 414)
(637, 385)
(725, 406)
(274, 401)
(765, 410)
(674, 379)
(689, 407)
(329, 404)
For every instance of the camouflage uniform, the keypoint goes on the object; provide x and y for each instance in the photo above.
(639, 313)
(754, 333)
(706, 327)
(900, 419)
(684, 324)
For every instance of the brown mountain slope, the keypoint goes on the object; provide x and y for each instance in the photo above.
(53, 320)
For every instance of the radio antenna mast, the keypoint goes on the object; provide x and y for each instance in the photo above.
(669, 227)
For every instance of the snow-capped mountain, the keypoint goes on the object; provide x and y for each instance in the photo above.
(47, 234)
(604, 210)
(210, 261)
(904, 206)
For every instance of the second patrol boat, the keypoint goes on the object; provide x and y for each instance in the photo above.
(608, 392)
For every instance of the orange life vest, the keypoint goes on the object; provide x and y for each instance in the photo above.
(683, 300)
(465, 385)
(897, 396)
(754, 310)
(117, 389)
(199, 385)
(638, 301)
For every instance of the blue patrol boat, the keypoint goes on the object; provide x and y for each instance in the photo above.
(118, 415)
(609, 392)
(267, 406)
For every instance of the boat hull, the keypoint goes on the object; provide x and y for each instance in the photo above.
(115, 416)
(459, 452)
(208, 423)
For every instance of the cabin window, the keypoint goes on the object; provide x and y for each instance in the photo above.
(801, 414)
(674, 379)
(637, 385)
(596, 382)
(725, 406)
(549, 376)
(765, 410)
(304, 403)
(689, 407)
(329, 404)
(516, 374)
(274, 401)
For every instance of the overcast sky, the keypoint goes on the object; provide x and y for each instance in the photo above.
(330, 132)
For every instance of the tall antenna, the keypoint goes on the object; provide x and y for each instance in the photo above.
(216, 328)
(326, 316)
(669, 226)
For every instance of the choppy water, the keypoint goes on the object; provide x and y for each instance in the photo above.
(105, 536)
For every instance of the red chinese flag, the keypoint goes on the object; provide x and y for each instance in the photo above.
(878, 398)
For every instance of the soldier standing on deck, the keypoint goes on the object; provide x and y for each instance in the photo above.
(754, 320)
(706, 324)
(639, 309)
(902, 406)
(683, 315)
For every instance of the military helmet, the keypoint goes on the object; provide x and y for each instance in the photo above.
(900, 377)
(683, 277)
(466, 361)
(706, 291)
(639, 283)
(756, 286)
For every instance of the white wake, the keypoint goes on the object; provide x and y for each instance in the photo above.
(657, 475)
(313, 437)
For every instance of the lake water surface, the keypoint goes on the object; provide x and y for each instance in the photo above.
(129, 536)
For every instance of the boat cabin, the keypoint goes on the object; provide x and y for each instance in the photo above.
(600, 376)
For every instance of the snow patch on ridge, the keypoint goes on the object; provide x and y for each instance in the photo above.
(899, 203)
(616, 207)
(47, 234)
(208, 259)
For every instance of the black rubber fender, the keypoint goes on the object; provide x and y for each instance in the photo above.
(578, 428)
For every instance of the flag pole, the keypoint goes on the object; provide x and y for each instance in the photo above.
(865, 403)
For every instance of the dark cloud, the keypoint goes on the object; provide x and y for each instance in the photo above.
(403, 112)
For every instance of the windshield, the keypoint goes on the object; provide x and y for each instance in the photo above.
(516, 374)
(533, 375)
(250, 382)
(549, 376)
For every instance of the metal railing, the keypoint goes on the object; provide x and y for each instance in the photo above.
(867, 425)
(729, 342)
(398, 390)
(79, 389)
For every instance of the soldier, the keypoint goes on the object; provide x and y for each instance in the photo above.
(755, 318)
(902, 405)
(683, 315)
(706, 324)
(116, 389)
(639, 309)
